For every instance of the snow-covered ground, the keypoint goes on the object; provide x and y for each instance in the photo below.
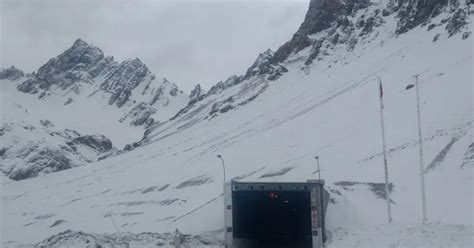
(329, 109)
(402, 235)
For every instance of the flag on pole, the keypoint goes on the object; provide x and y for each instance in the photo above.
(384, 149)
(381, 93)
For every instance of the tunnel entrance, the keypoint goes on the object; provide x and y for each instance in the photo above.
(273, 218)
(279, 215)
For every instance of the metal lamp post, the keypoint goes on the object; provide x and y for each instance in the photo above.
(319, 170)
(223, 168)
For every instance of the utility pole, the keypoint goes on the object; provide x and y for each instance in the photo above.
(387, 188)
(420, 138)
(223, 169)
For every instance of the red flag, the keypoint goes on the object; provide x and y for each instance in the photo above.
(381, 93)
(381, 89)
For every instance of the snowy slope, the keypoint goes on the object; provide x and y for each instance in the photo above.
(270, 130)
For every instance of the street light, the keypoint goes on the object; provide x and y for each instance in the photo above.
(223, 167)
(319, 170)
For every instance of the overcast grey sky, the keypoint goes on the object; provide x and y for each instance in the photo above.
(188, 42)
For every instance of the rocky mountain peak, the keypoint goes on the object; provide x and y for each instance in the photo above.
(11, 73)
(321, 15)
(78, 63)
(260, 64)
(79, 42)
(195, 93)
(83, 71)
(79, 55)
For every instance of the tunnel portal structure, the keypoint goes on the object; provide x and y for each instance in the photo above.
(275, 214)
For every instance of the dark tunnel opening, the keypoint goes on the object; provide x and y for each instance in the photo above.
(272, 218)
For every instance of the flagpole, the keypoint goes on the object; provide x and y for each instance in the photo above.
(422, 171)
(387, 190)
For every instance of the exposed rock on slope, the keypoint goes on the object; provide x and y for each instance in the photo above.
(124, 78)
(469, 157)
(27, 151)
(195, 93)
(348, 21)
(11, 73)
(411, 13)
(99, 143)
(220, 86)
(260, 65)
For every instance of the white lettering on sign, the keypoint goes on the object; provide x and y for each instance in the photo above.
(270, 187)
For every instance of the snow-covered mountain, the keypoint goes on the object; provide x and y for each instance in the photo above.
(315, 95)
(84, 72)
(83, 91)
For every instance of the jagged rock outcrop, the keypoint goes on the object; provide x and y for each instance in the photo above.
(411, 13)
(166, 89)
(222, 106)
(11, 73)
(68, 68)
(260, 65)
(315, 50)
(195, 93)
(220, 86)
(44, 161)
(468, 161)
(456, 22)
(160, 98)
(321, 15)
(97, 142)
(123, 79)
(46, 123)
(141, 115)
(198, 95)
